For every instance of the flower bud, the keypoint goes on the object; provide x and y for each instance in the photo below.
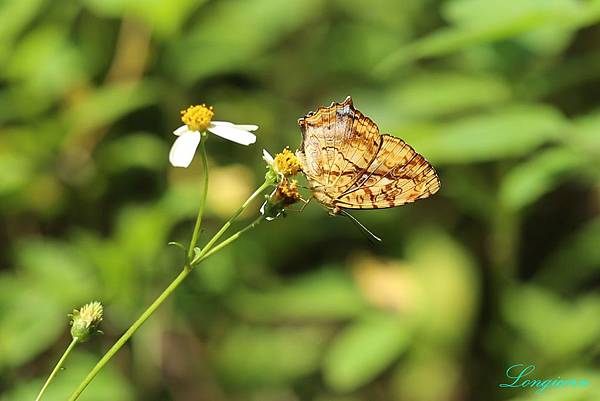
(285, 194)
(85, 321)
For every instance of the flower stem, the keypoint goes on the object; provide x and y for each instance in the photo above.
(220, 233)
(57, 367)
(204, 253)
(196, 232)
(136, 325)
(229, 240)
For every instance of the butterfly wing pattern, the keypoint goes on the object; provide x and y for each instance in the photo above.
(350, 165)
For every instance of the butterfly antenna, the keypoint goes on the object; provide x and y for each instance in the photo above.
(361, 226)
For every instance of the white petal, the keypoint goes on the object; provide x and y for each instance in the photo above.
(245, 127)
(183, 150)
(262, 211)
(181, 130)
(225, 123)
(233, 134)
(267, 157)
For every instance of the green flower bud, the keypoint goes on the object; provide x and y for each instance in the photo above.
(85, 321)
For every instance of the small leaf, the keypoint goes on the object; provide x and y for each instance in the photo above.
(177, 244)
(364, 350)
(528, 181)
(197, 252)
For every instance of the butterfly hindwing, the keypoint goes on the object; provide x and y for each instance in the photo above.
(349, 165)
(396, 176)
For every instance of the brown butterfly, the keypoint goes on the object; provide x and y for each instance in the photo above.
(350, 165)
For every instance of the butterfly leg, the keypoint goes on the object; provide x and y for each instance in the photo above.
(305, 203)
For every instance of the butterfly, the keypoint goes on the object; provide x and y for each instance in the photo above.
(350, 165)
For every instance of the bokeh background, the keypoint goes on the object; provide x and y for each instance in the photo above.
(500, 267)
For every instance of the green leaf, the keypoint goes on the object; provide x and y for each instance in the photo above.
(585, 134)
(480, 14)
(17, 171)
(34, 311)
(435, 94)
(176, 244)
(29, 324)
(63, 67)
(364, 350)
(137, 150)
(528, 181)
(109, 103)
(509, 132)
(256, 357)
(323, 294)
(226, 40)
(552, 327)
(14, 17)
(54, 264)
(164, 18)
(564, 15)
(579, 250)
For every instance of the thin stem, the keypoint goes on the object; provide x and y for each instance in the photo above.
(136, 325)
(220, 233)
(59, 365)
(198, 224)
(229, 240)
(204, 253)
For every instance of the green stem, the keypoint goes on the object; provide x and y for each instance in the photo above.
(136, 325)
(57, 367)
(196, 232)
(229, 240)
(204, 253)
(220, 233)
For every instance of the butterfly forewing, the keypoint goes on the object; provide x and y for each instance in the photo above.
(397, 175)
(338, 143)
(350, 165)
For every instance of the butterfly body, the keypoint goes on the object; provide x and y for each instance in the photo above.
(350, 165)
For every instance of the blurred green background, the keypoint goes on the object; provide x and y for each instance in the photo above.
(502, 266)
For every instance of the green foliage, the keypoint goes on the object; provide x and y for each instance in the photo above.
(500, 267)
(364, 350)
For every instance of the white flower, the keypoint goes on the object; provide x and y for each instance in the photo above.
(198, 119)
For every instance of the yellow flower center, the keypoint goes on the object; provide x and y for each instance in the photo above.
(287, 163)
(198, 117)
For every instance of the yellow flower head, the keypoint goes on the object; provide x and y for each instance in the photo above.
(287, 192)
(85, 321)
(198, 117)
(287, 163)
